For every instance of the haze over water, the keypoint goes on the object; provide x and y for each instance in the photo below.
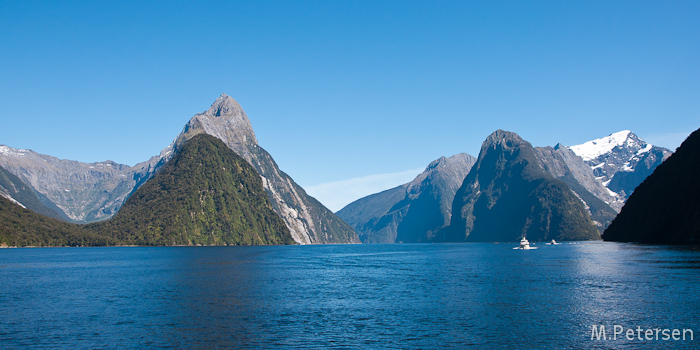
(428, 296)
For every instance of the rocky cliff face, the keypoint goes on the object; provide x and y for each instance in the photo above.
(413, 212)
(308, 220)
(508, 195)
(664, 209)
(82, 192)
(621, 161)
(17, 192)
(563, 164)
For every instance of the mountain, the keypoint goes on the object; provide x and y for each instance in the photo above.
(12, 188)
(206, 194)
(413, 212)
(79, 192)
(307, 219)
(370, 217)
(621, 161)
(21, 227)
(664, 209)
(508, 195)
(563, 164)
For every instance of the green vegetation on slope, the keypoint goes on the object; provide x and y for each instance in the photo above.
(599, 210)
(206, 195)
(21, 227)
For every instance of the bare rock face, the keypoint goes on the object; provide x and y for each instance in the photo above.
(307, 219)
(82, 192)
(226, 121)
(568, 163)
(565, 165)
(12, 188)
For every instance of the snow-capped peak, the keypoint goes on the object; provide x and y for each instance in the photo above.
(592, 149)
(12, 152)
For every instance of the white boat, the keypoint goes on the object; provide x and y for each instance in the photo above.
(524, 244)
(553, 242)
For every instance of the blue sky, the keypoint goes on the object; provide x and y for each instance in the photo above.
(340, 90)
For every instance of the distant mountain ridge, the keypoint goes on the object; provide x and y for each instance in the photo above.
(413, 212)
(16, 191)
(82, 192)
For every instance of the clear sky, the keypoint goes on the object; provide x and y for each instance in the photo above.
(346, 93)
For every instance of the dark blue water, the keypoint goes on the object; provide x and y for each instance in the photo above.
(346, 296)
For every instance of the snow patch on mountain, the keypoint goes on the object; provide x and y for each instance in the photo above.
(595, 148)
(621, 161)
(646, 149)
(12, 152)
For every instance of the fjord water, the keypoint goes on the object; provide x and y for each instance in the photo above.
(346, 296)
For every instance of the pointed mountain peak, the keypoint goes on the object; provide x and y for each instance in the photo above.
(434, 164)
(502, 138)
(620, 135)
(224, 106)
(458, 160)
(225, 120)
(501, 135)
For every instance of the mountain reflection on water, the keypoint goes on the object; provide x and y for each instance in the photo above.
(428, 296)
